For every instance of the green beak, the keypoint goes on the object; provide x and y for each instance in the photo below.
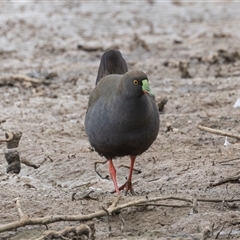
(146, 88)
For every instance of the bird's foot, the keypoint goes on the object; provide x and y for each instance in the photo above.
(127, 186)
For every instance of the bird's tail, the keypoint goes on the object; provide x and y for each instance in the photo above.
(112, 62)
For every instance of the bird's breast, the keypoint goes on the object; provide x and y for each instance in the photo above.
(125, 127)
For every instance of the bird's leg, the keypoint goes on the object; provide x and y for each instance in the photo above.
(112, 172)
(128, 184)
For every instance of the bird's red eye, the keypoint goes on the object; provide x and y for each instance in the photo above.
(135, 82)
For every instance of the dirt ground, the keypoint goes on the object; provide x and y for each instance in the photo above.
(190, 52)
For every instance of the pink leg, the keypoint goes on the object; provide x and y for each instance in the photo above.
(128, 184)
(112, 172)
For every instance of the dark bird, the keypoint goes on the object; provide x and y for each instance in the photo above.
(122, 118)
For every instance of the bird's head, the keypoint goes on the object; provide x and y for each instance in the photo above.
(135, 84)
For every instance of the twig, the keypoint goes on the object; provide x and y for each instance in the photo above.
(229, 160)
(79, 217)
(82, 229)
(89, 48)
(21, 78)
(152, 180)
(167, 205)
(19, 209)
(28, 163)
(85, 196)
(25, 220)
(227, 164)
(95, 168)
(233, 179)
(219, 132)
(220, 230)
(218, 200)
(114, 204)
